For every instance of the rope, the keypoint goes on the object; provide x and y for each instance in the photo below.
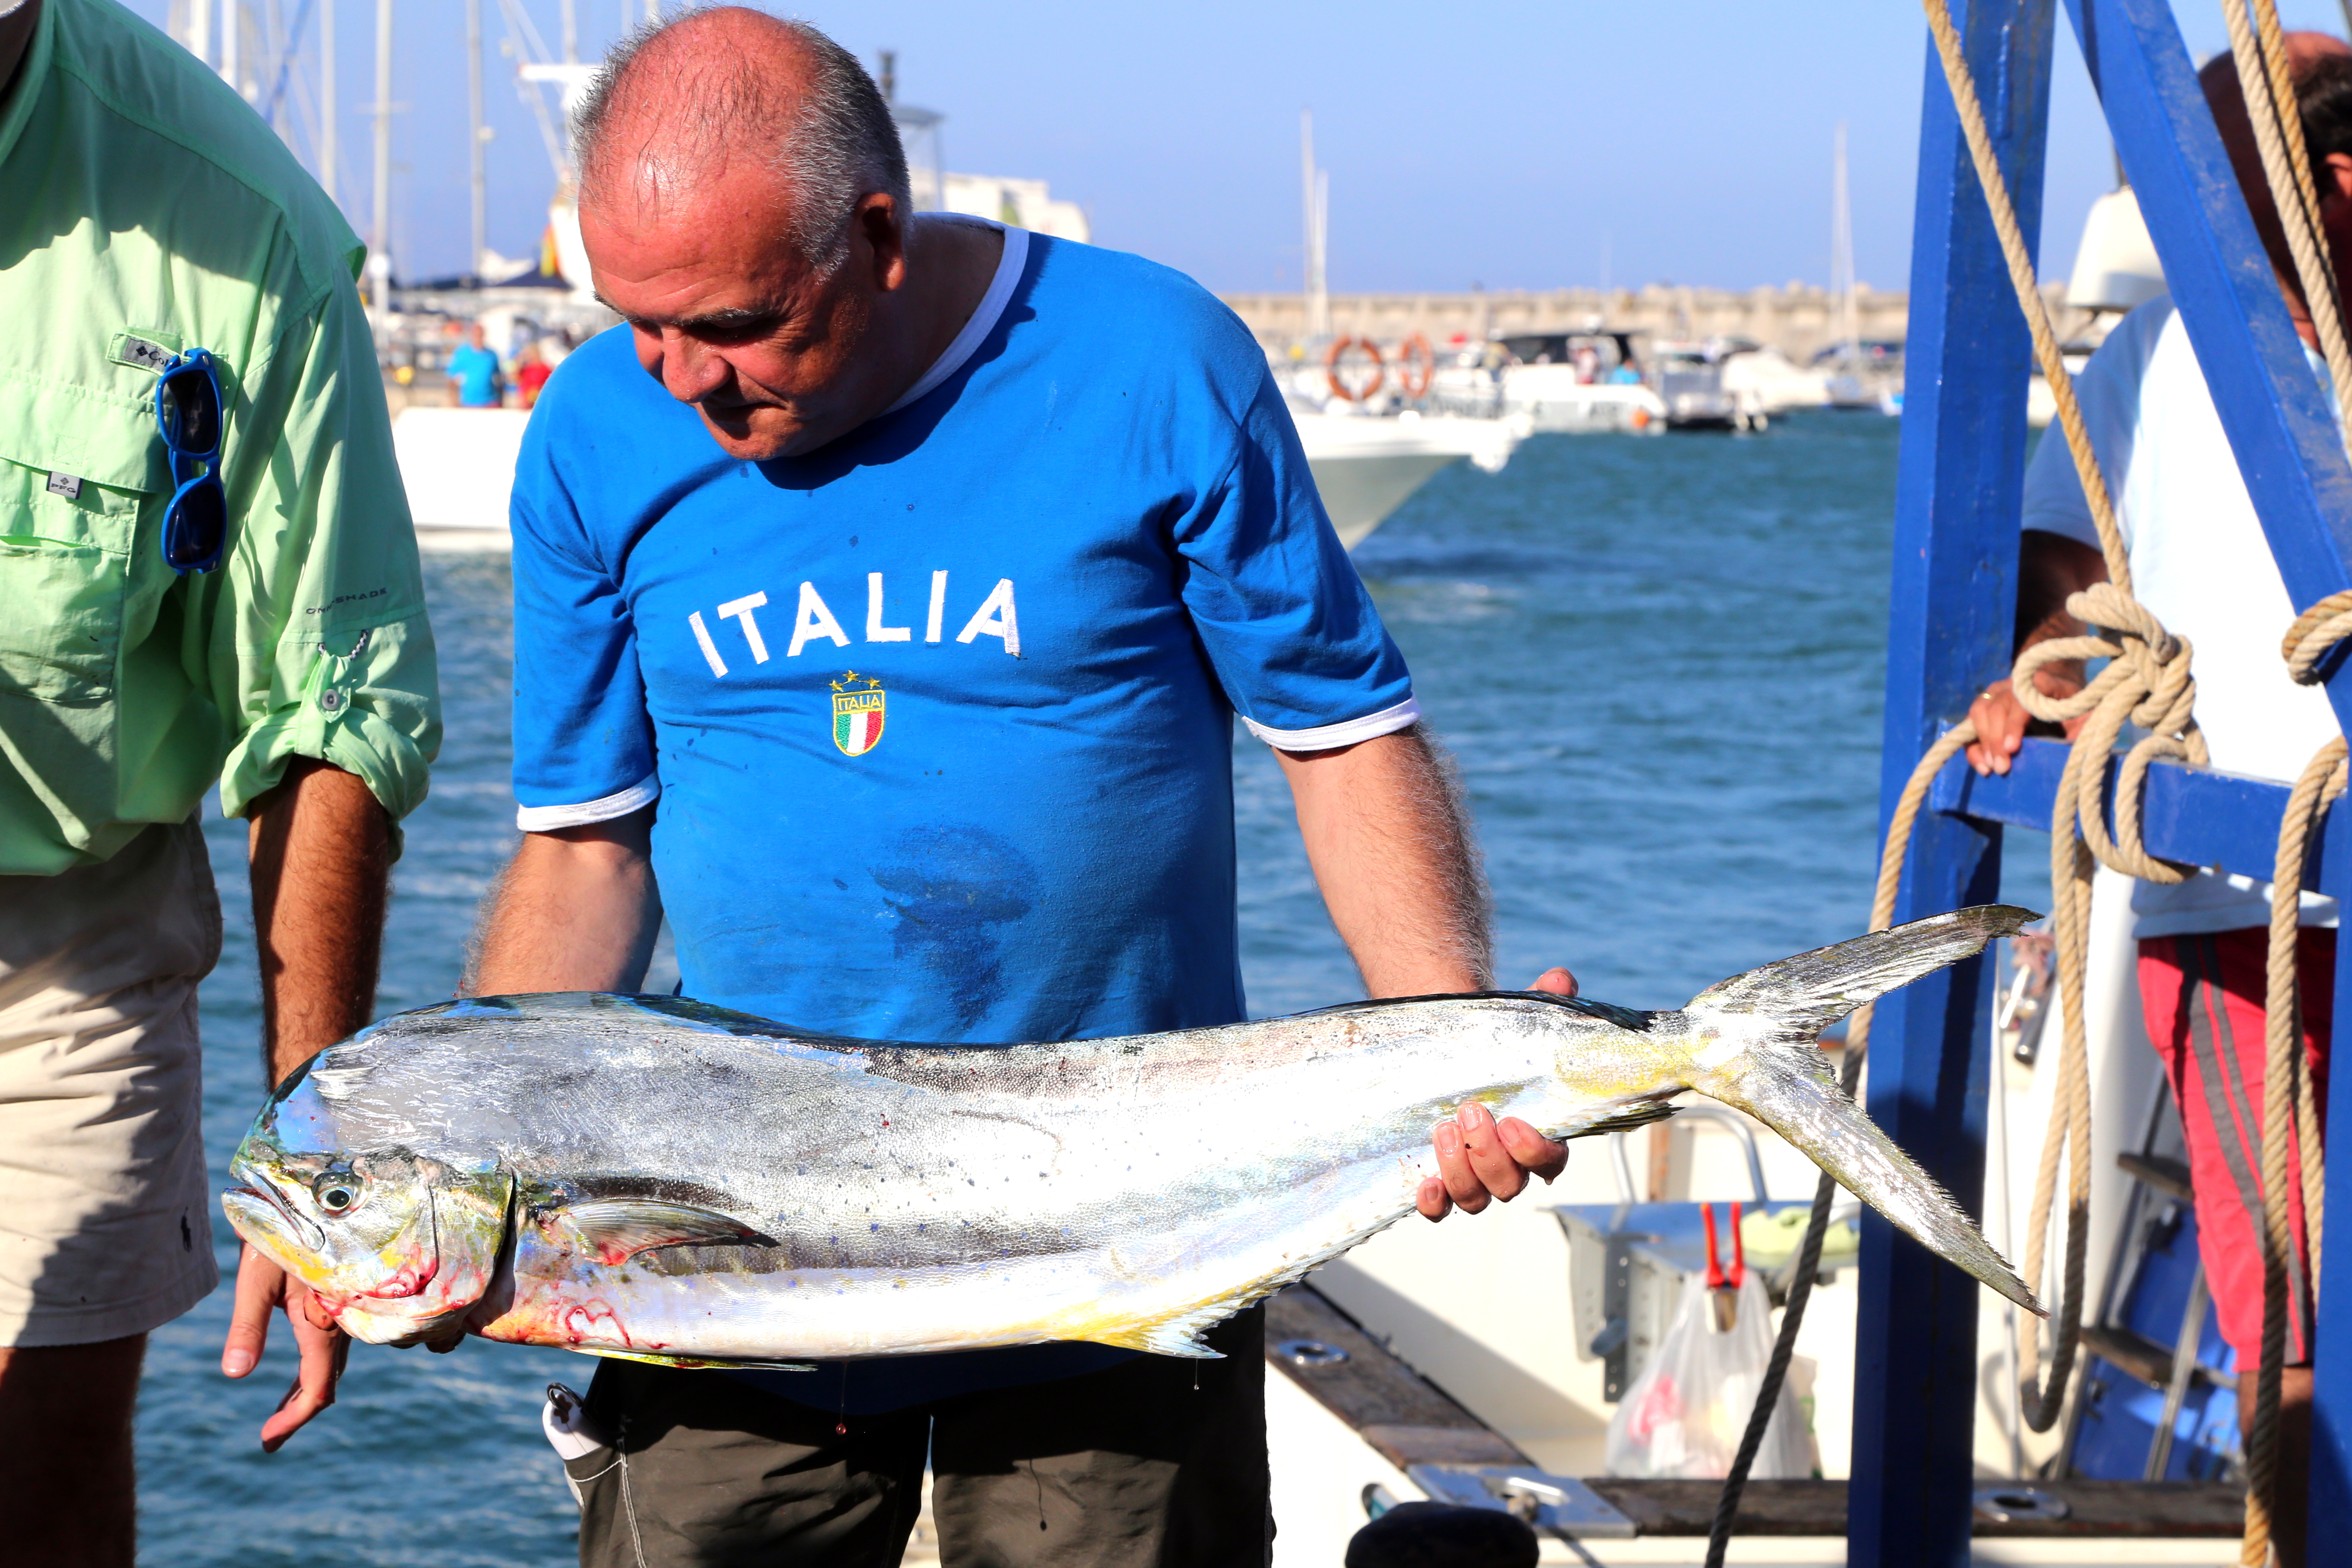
(2289, 1098)
(2147, 682)
(2259, 49)
(2257, 46)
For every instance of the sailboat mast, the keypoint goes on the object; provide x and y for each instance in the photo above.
(329, 101)
(380, 221)
(231, 61)
(571, 32)
(1316, 191)
(1841, 253)
(480, 210)
(200, 30)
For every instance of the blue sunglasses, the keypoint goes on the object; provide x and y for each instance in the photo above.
(188, 414)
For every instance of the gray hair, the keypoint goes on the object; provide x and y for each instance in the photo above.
(830, 138)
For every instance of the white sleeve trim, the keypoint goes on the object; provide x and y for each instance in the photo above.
(1371, 726)
(620, 803)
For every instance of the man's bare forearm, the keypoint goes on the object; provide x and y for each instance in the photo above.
(321, 847)
(576, 910)
(2050, 568)
(1390, 843)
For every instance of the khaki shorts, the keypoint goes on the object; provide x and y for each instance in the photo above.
(105, 1205)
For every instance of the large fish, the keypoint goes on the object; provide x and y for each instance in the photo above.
(651, 1178)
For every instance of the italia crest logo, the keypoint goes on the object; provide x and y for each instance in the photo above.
(856, 714)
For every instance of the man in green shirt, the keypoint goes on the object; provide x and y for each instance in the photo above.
(239, 604)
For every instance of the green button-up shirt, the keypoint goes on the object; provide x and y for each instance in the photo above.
(145, 209)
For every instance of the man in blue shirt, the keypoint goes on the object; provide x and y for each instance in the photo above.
(474, 378)
(885, 593)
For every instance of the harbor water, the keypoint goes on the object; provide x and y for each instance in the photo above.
(1657, 662)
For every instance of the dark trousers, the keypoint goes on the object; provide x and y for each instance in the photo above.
(1154, 1463)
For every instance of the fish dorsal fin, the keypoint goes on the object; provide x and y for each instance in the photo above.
(614, 1229)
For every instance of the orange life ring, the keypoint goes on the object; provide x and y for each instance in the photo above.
(1416, 367)
(1641, 419)
(1340, 389)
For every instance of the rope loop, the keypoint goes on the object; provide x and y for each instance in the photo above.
(2316, 630)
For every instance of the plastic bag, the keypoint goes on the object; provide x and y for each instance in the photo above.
(1684, 1415)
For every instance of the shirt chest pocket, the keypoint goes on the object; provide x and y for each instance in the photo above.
(77, 475)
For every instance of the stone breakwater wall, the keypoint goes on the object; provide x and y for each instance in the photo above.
(1797, 321)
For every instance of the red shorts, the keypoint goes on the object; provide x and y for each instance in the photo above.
(2204, 1000)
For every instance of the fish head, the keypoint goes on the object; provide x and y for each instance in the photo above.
(397, 1245)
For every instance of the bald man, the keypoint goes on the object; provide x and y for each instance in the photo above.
(2200, 561)
(885, 593)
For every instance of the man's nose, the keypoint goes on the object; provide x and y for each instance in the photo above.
(691, 370)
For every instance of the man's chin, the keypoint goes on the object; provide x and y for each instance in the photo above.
(766, 434)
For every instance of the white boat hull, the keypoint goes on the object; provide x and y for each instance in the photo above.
(1551, 398)
(458, 466)
(1367, 467)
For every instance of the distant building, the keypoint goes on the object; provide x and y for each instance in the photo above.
(1023, 204)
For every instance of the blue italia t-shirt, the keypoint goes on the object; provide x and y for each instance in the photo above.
(937, 720)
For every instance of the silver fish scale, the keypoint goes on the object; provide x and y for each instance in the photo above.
(848, 1151)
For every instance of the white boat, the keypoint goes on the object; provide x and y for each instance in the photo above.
(1365, 465)
(458, 467)
(1561, 382)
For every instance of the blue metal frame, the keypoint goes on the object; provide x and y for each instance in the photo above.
(1954, 566)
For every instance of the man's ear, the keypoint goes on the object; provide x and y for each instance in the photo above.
(881, 226)
(2339, 183)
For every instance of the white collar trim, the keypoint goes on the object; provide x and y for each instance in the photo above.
(983, 317)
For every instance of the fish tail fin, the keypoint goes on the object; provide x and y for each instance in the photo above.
(1756, 1039)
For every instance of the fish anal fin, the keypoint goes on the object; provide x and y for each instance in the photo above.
(1170, 1336)
(612, 1230)
(694, 1363)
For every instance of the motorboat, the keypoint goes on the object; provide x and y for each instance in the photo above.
(1578, 383)
(1366, 466)
(1690, 380)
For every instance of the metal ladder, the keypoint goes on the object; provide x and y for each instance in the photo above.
(2158, 1179)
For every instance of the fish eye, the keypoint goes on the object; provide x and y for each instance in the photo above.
(337, 1192)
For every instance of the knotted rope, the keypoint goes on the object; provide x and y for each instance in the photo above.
(2147, 683)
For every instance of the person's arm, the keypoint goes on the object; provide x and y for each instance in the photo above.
(576, 910)
(2049, 567)
(321, 848)
(1397, 867)
(315, 650)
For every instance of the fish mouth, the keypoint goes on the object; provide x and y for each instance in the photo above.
(258, 1202)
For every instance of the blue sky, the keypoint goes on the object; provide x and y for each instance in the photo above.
(1518, 145)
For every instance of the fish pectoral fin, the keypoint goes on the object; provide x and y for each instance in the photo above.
(1626, 1121)
(615, 1229)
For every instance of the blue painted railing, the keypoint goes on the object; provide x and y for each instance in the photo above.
(1953, 602)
